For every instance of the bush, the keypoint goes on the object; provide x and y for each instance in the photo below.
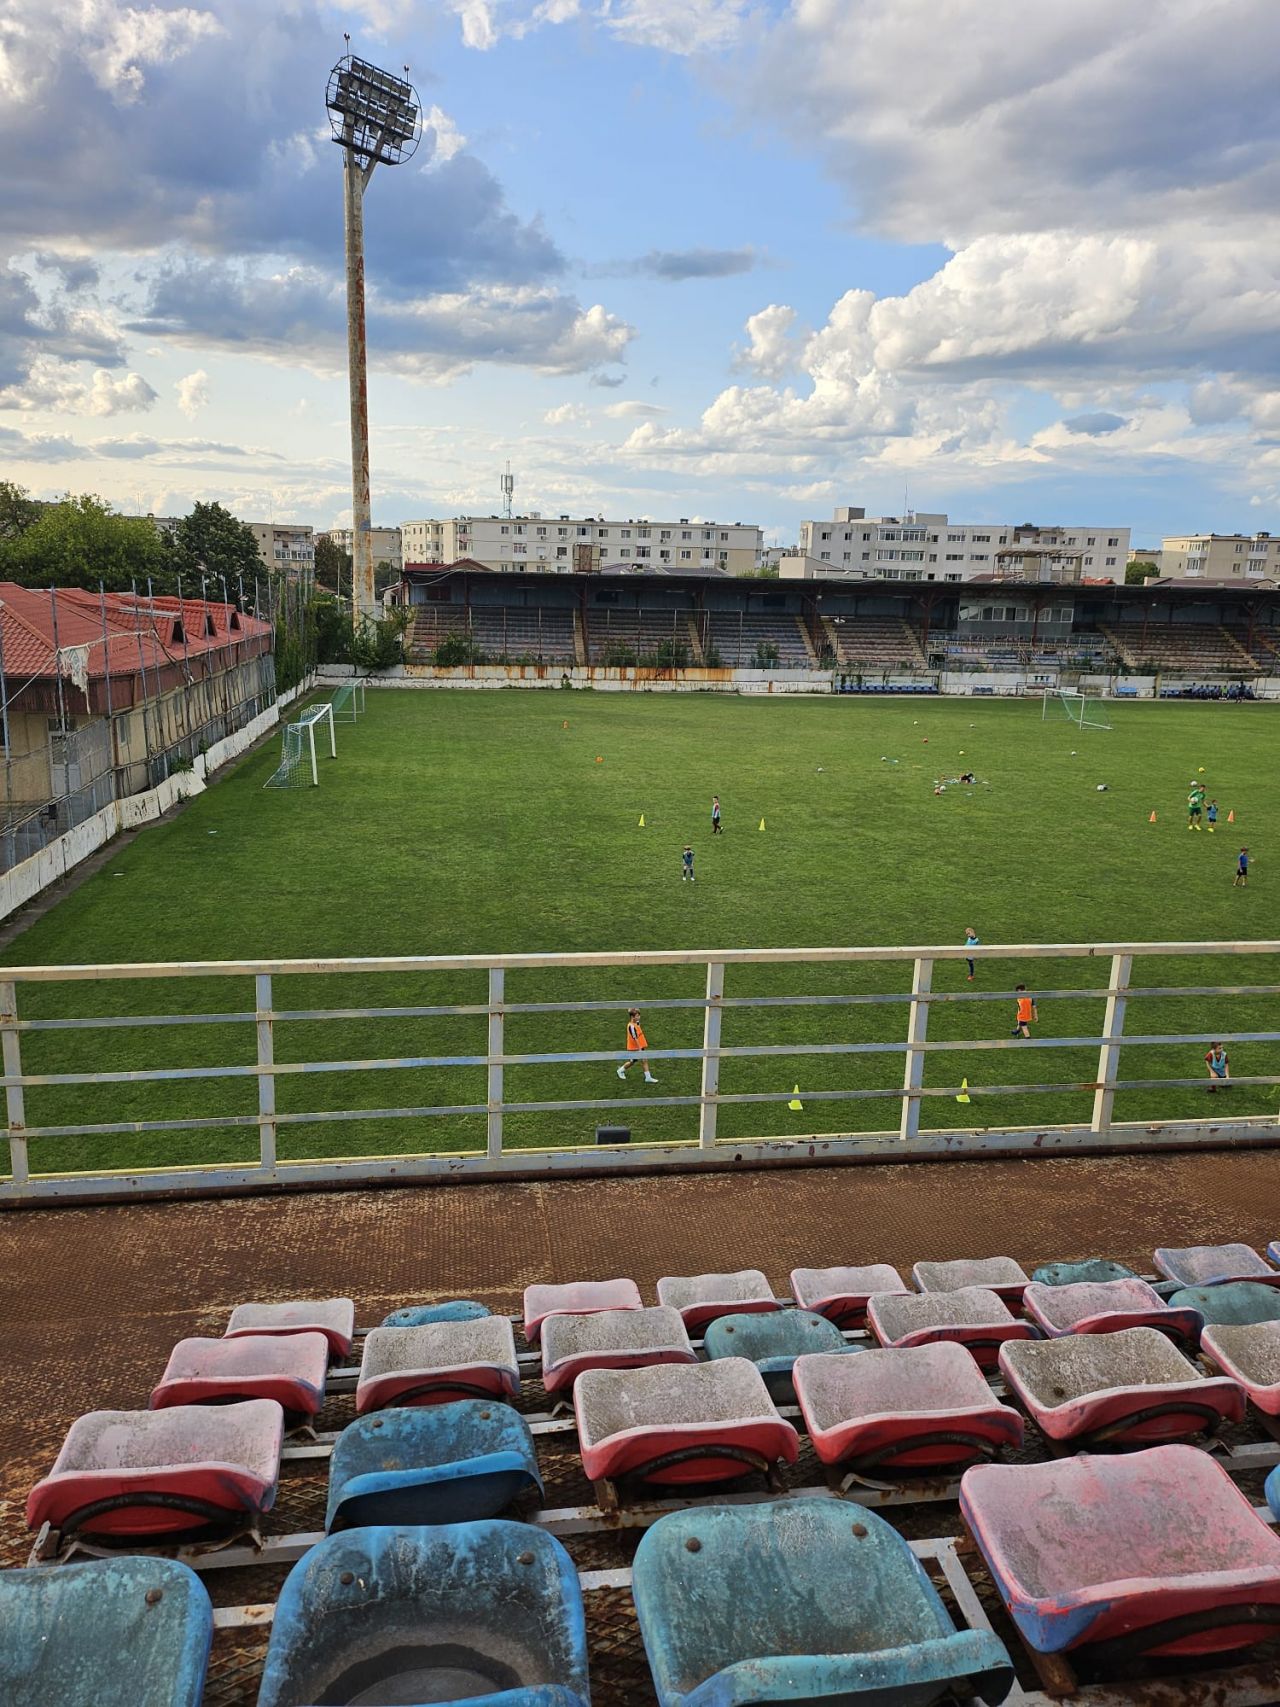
(713, 659)
(458, 648)
(671, 655)
(380, 645)
(827, 659)
(618, 655)
(766, 654)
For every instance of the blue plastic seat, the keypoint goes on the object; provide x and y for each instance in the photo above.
(112, 1633)
(478, 1614)
(1233, 1304)
(440, 1464)
(773, 1342)
(803, 1601)
(422, 1315)
(1089, 1271)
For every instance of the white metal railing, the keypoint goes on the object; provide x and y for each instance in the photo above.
(908, 1138)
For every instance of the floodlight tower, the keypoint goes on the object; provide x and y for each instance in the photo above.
(375, 117)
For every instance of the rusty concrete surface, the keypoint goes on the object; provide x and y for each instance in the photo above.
(92, 1300)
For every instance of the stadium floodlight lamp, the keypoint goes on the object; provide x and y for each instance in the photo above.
(375, 116)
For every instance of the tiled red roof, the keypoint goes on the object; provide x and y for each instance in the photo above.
(140, 632)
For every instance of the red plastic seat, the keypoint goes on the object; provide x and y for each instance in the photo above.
(576, 1298)
(894, 1413)
(289, 1368)
(1248, 1354)
(438, 1363)
(1156, 1552)
(148, 1473)
(611, 1339)
(699, 1422)
(1131, 1388)
(1214, 1265)
(335, 1318)
(841, 1294)
(700, 1298)
(1105, 1306)
(1000, 1275)
(973, 1316)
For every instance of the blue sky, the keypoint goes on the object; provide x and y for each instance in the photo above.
(735, 258)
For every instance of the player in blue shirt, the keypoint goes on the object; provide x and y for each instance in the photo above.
(971, 940)
(1211, 813)
(1242, 870)
(686, 865)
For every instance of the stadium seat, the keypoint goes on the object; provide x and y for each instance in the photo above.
(1273, 1250)
(1153, 1552)
(335, 1318)
(611, 1339)
(700, 1298)
(1000, 1275)
(1234, 1302)
(1211, 1265)
(974, 1317)
(1089, 1269)
(468, 1612)
(1130, 1388)
(422, 1315)
(773, 1342)
(800, 1602)
(148, 1473)
(678, 1423)
(841, 1294)
(1104, 1306)
(445, 1464)
(443, 1361)
(917, 1412)
(289, 1368)
(577, 1298)
(110, 1633)
(1249, 1355)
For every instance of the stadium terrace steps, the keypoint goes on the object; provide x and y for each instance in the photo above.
(1183, 648)
(876, 642)
(612, 632)
(741, 641)
(544, 633)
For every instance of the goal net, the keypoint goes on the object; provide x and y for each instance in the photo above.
(1086, 711)
(297, 767)
(348, 702)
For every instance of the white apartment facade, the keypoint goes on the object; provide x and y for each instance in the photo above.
(564, 544)
(286, 548)
(386, 544)
(928, 546)
(1221, 557)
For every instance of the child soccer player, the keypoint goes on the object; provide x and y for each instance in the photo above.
(970, 941)
(1212, 815)
(636, 1046)
(1242, 870)
(686, 865)
(1219, 1064)
(1195, 800)
(1027, 1012)
(715, 815)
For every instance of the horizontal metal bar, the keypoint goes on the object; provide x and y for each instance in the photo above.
(363, 966)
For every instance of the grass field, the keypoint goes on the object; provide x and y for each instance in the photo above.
(473, 822)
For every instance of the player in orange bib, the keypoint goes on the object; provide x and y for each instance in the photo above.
(637, 1043)
(1027, 1012)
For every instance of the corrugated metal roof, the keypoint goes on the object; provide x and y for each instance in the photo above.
(140, 633)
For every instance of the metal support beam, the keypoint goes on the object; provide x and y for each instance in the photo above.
(711, 1054)
(917, 1030)
(1112, 1030)
(363, 601)
(497, 984)
(14, 1096)
(266, 1075)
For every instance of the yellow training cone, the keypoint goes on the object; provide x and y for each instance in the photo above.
(795, 1094)
(762, 823)
(640, 825)
(964, 1092)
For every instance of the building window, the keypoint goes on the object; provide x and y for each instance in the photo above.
(686, 534)
(953, 577)
(826, 534)
(642, 551)
(520, 529)
(625, 551)
(685, 556)
(1114, 540)
(825, 557)
(626, 533)
(520, 550)
(665, 534)
(1090, 541)
(955, 557)
(724, 536)
(643, 533)
(982, 539)
(1111, 563)
(562, 550)
(584, 533)
(602, 533)
(504, 530)
(562, 533)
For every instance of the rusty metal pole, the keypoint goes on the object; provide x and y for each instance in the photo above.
(354, 178)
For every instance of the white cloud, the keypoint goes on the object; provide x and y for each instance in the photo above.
(445, 137)
(120, 44)
(193, 393)
(60, 389)
(631, 410)
(479, 23)
(672, 26)
(771, 349)
(565, 414)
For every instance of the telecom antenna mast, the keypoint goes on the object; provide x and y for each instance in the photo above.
(508, 491)
(375, 117)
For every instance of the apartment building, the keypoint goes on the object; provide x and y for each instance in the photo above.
(569, 544)
(285, 547)
(386, 545)
(1221, 557)
(928, 546)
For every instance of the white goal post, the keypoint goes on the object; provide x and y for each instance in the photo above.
(297, 765)
(1086, 711)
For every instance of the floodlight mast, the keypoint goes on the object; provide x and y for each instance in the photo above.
(374, 117)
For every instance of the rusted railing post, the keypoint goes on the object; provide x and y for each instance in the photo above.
(266, 1074)
(917, 1031)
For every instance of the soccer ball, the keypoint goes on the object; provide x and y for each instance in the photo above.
(1102, 788)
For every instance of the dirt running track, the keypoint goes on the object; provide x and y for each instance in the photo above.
(92, 1300)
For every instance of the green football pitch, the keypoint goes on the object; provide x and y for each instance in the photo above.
(479, 822)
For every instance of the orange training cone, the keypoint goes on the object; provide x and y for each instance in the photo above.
(1231, 817)
(1151, 819)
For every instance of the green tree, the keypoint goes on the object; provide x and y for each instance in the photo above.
(80, 541)
(18, 510)
(212, 542)
(1137, 572)
(333, 568)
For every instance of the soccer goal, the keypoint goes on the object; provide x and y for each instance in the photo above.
(297, 767)
(1086, 711)
(348, 702)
